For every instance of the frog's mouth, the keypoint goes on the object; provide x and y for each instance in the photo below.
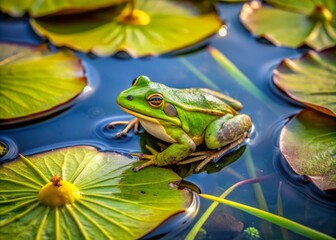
(139, 115)
(148, 118)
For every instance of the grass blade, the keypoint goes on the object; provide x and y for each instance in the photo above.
(273, 218)
(196, 228)
(256, 187)
(280, 211)
(199, 74)
(241, 79)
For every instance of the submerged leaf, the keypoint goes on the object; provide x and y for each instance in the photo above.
(292, 23)
(35, 80)
(113, 203)
(154, 27)
(308, 142)
(37, 8)
(310, 80)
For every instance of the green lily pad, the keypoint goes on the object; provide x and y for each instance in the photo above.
(108, 200)
(292, 23)
(35, 81)
(310, 80)
(38, 8)
(153, 28)
(308, 142)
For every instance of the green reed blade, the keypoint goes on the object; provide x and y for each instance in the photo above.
(273, 218)
(196, 228)
(199, 74)
(238, 75)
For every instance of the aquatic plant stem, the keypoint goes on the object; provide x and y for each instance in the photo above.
(258, 192)
(280, 211)
(256, 187)
(199, 74)
(193, 232)
(273, 218)
(132, 6)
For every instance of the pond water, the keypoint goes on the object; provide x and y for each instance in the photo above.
(84, 123)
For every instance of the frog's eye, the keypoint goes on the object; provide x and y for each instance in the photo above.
(155, 100)
(134, 81)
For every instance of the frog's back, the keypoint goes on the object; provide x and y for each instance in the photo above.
(199, 100)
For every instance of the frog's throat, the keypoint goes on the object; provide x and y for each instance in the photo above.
(147, 118)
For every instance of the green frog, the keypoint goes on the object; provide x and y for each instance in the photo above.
(185, 118)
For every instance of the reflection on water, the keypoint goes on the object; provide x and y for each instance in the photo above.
(8, 149)
(85, 123)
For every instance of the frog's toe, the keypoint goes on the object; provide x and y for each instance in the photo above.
(120, 135)
(221, 152)
(142, 166)
(152, 150)
(142, 156)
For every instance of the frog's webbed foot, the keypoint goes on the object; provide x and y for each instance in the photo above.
(150, 157)
(207, 156)
(197, 156)
(222, 151)
(134, 123)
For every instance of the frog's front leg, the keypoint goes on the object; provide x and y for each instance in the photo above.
(134, 123)
(179, 150)
(226, 130)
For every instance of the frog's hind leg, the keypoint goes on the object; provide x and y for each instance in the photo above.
(226, 130)
(226, 133)
(221, 152)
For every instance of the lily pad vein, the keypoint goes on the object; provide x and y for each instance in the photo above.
(112, 209)
(42, 224)
(102, 216)
(18, 216)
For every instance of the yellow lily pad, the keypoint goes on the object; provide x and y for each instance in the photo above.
(38, 8)
(93, 195)
(36, 81)
(151, 28)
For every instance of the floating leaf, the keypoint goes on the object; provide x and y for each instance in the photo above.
(113, 201)
(35, 80)
(153, 27)
(293, 23)
(310, 80)
(37, 8)
(308, 142)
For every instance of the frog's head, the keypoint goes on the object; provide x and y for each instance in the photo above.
(145, 100)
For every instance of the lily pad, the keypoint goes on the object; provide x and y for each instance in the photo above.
(151, 28)
(99, 196)
(310, 80)
(308, 142)
(38, 8)
(35, 81)
(292, 23)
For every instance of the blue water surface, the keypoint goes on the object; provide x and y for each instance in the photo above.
(84, 122)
